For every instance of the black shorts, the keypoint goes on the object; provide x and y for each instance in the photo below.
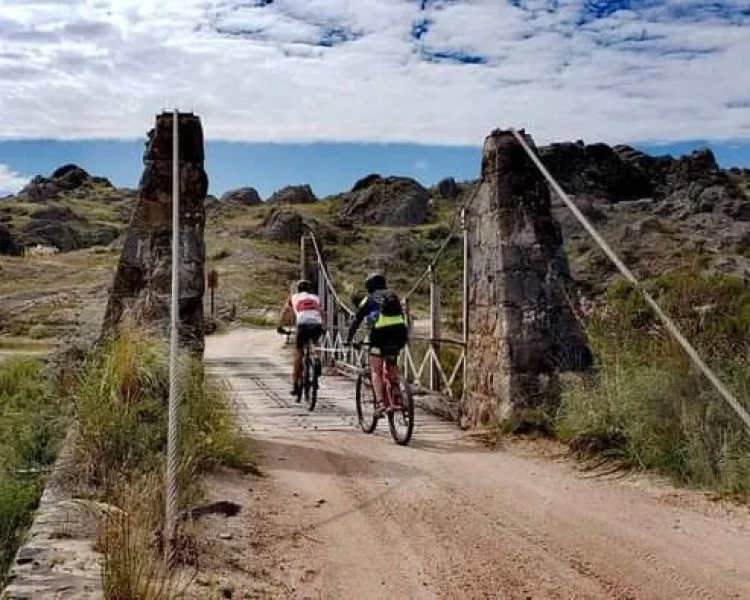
(388, 341)
(308, 333)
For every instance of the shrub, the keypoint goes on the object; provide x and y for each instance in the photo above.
(650, 407)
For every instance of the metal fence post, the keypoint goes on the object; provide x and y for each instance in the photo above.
(303, 258)
(434, 330)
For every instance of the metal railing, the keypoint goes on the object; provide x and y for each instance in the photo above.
(433, 362)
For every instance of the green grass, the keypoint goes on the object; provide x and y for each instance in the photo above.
(120, 404)
(121, 409)
(21, 344)
(258, 321)
(32, 423)
(648, 406)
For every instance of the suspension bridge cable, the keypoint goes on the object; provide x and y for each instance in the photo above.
(326, 276)
(444, 246)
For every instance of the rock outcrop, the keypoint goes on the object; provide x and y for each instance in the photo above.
(293, 194)
(287, 226)
(39, 188)
(245, 196)
(523, 331)
(142, 283)
(596, 170)
(687, 185)
(448, 188)
(64, 179)
(695, 184)
(366, 182)
(62, 228)
(390, 201)
(7, 241)
(283, 226)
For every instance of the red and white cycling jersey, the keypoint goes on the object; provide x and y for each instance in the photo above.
(307, 309)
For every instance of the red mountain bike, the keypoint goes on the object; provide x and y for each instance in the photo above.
(398, 399)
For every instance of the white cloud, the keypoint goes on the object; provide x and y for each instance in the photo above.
(10, 181)
(308, 70)
(421, 165)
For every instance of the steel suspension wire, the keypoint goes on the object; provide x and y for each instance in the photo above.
(174, 391)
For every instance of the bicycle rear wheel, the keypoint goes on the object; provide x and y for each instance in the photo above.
(366, 404)
(401, 420)
(311, 384)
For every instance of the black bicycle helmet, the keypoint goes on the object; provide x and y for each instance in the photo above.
(303, 286)
(375, 282)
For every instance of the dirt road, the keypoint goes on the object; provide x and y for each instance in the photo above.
(346, 515)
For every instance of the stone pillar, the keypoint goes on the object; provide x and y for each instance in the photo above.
(523, 331)
(142, 284)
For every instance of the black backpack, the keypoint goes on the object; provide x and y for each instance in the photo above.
(388, 303)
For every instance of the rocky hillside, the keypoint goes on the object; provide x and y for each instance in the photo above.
(659, 213)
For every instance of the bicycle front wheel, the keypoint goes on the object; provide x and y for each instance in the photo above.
(366, 404)
(401, 419)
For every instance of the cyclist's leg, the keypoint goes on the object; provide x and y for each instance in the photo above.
(397, 336)
(376, 366)
(315, 336)
(300, 341)
(376, 370)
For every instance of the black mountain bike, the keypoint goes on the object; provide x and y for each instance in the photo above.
(398, 397)
(308, 383)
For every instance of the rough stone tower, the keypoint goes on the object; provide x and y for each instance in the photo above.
(142, 284)
(522, 329)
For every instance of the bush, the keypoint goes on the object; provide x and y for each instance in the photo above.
(650, 407)
(32, 423)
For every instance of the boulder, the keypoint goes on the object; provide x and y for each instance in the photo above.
(38, 189)
(293, 194)
(391, 201)
(245, 196)
(448, 188)
(71, 178)
(7, 242)
(55, 213)
(103, 181)
(283, 226)
(366, 182)
(60, 235)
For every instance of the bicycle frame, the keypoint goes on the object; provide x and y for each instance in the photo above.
(307, 380)
(393, 382)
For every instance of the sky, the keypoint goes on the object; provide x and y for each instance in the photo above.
(326, 91)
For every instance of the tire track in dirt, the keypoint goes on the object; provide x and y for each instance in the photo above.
(445, 518)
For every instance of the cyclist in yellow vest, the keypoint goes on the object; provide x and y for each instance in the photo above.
(388, 330)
